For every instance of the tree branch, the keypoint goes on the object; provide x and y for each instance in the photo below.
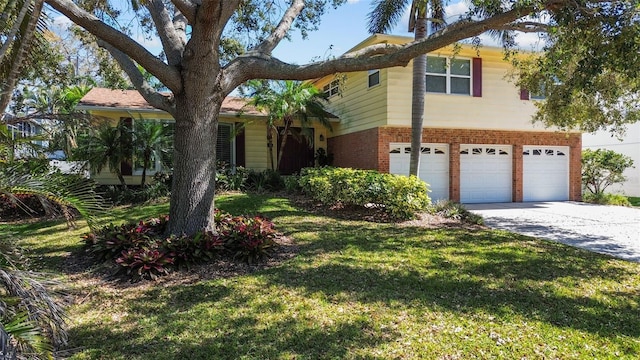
(267, 46)
(168, 75)
(526, 27)
(153, 97)
(171, 42)
(187, 8)
(180, 23)
(225, 10)
(377, 56)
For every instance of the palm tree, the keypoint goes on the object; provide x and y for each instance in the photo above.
(32, 322)
(107, 146)
(386, 14)
(151, 140)
(285, 102)
(22, 23)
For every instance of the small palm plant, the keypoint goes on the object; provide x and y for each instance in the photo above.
(32, 321)
(285, 102)
(107, 146)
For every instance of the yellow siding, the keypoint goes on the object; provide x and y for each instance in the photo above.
(389, 104)
(499, 108)
(358, 106)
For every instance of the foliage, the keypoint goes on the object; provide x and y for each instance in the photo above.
(247, 238)
(106, 146)
(143, 250)
(266, 180)
(54, 191)
(400, 197)
(152, 140)
(453, 210)
(292, 183)
(229, 178)
(602, 168)
(634, 200)
(606, 199)
(584, 71)
(323, 158)
(32, 320)
(286, 101)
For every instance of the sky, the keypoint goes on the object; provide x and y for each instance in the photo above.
(340, 30)
(343, 28)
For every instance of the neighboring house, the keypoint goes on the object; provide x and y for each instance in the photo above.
(628, 145)
(242, 139)
(479, 144)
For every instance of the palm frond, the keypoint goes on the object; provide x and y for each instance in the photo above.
(385, 14)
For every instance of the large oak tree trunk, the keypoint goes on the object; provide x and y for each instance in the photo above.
(197, 109)
(194, 170)
(417, 99)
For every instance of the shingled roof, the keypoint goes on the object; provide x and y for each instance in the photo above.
(132, 100)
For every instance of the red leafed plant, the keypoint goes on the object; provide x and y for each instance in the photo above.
(144, 251)
(145, 262)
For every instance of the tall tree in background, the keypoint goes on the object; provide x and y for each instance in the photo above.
(382, 18)
(202, 64)
(285, 102)
(22, 22)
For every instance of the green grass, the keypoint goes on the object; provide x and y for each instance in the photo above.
(362, 290)
(635, 201)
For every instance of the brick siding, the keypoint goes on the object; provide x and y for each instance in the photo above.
(359, 150)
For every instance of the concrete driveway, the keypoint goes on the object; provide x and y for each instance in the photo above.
(612, 230)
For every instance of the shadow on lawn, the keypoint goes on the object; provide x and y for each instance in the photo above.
(233, 331)
(351, 263)
(462, 271)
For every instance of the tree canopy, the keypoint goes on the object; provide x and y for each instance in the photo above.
(211, 47)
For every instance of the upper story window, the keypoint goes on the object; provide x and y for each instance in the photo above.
(448, 76)
(374, 78)
(333, 88)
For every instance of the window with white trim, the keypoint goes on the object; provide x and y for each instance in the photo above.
(332, 88)
(448, 76)
(374, 78)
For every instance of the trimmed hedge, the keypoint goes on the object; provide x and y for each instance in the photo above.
(401, 197)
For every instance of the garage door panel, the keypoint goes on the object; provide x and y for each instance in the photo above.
(545, 173)
(485, 173)
(434, 166)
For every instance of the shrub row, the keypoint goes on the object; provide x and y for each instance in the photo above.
(401, 197)
(141, 250)
(606, 199)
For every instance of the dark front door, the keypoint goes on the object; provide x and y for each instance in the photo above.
(298, 150)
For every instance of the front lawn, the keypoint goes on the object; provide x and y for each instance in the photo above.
(358, 290)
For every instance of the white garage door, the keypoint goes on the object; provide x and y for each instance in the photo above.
(434, 166)
(546, 173)
(485, 173)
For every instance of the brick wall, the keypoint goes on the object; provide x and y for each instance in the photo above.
(358, 150)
